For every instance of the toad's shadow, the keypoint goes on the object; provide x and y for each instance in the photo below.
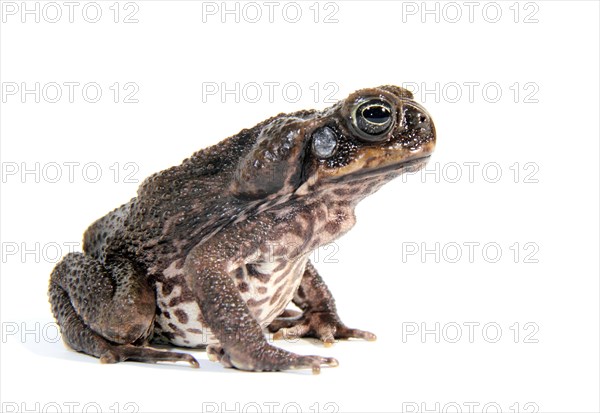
(42, 338)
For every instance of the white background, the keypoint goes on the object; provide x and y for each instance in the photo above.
(550, 129)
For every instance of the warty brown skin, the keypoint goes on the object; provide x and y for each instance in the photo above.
(211, 252)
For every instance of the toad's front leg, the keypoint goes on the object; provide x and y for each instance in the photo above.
(319, 318)
(242, 343)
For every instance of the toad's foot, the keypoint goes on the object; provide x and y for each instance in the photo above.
(270, 359)
(323, 325)
(216, 353)
(116, 354)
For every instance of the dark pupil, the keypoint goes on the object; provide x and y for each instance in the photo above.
(376, 114)
(374, 119)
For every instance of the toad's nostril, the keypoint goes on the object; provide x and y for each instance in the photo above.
(417, 126)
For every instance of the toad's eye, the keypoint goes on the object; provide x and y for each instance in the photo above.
(373, 120)
(324, 141)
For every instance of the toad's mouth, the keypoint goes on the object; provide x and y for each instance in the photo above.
(411, 165)
(396, 168)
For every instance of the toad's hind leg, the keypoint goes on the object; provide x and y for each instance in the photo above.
(106, 311)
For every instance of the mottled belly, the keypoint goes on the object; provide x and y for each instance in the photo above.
(266, 287)
(179, 320)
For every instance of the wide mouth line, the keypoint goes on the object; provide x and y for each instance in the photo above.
(394, 166)
(397, 166)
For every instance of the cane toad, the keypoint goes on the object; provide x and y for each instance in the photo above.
(211, 252)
